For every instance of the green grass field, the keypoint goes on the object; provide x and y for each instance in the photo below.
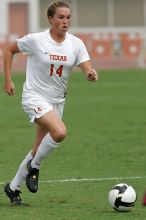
(106, 139)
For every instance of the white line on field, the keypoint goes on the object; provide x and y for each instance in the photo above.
(88, 180)
(92, 180)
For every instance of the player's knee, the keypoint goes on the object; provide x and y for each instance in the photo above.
(60, 134)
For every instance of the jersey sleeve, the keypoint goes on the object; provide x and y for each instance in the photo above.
(26, 44)
(82, 54)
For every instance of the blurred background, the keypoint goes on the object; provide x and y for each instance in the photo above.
(114, 31)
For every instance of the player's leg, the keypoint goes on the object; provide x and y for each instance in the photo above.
(51, 130)
(56, 132)
(12, 189)
(22, 172)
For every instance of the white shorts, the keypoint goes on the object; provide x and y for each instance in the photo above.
(36, 106)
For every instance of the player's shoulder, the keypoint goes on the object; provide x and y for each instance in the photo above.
(38, 35)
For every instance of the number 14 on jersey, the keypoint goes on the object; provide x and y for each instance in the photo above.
(58, 71)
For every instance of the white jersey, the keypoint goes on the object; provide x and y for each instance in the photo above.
(49, 63)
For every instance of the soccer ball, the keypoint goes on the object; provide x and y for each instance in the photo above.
(122, 197)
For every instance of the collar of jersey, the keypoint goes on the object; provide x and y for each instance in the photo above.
(53, 41)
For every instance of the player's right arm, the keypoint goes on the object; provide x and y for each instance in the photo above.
(8, 58)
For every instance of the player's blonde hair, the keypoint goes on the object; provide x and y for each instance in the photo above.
(56, 4)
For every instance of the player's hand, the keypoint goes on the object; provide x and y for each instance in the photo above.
(9, 88)
(92, 75)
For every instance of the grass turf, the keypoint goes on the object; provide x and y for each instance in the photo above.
(106, 138)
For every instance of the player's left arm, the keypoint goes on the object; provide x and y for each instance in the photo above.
(90, 73)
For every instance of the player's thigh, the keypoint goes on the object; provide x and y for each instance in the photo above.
(53, 124)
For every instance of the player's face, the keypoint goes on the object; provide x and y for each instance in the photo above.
(60, 22)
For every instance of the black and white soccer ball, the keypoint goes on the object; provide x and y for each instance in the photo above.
(122, 197)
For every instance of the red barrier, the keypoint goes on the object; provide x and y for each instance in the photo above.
(106, 49)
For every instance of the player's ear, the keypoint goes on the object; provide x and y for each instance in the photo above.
(50, 19)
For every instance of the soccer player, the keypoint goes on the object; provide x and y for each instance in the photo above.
(51, 56)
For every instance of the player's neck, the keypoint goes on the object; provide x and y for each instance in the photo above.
(59, 38)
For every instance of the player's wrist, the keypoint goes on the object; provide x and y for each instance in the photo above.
(8, 80)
